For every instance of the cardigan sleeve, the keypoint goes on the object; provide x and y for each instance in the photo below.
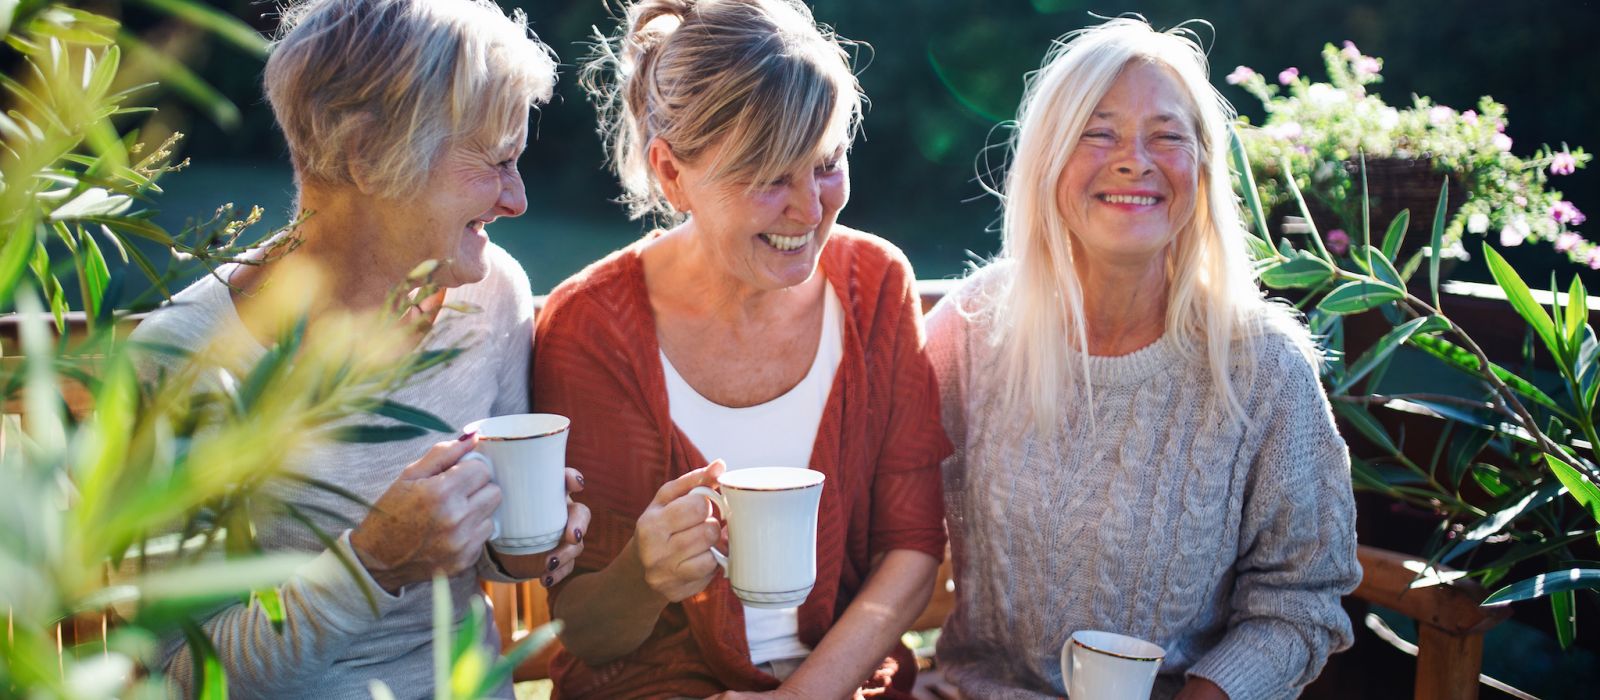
(1297, 549)
(582, 370)
(907, 507)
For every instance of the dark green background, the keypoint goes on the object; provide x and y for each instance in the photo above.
(940, 76)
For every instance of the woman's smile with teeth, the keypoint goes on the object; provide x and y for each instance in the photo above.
(787, 242)
(1145, 200)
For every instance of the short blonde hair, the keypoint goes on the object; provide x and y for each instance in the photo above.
(1215, 311)
(370, 92)
(760, 76)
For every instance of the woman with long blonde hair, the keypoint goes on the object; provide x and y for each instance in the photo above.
(1142, 444)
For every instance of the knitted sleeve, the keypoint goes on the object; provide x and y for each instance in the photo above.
(1297, 545)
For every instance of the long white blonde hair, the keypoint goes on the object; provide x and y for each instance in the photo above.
(1215, 311)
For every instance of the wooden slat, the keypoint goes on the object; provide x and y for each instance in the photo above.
(1450, 603)
(1447, 664)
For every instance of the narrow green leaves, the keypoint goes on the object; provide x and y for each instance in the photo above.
(1357, 296)
(1299, 272)
(1381, 351)
(1437, 241)
(1521, 299)
(1545, 584)
(1396, 235)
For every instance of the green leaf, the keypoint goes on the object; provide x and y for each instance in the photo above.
(1369, 427)
(14, 259)
(225, 26)
(412, 416)
(1382, 268)
(1545, 584)
(1396, 235)
(210, 680)
(375, 433)
(1360, 295)
(1463, 360)
(1577, 312)
(96, 274)
(1300, 201)
(1566, 617)
(508, 662)
(1491, 524)
(272, 605)
(1584, 491)
(1366, 208)
(1438, 239)
(1247, 186)
(1488, 478)
(1300, 272)
(1522, 300)
(1380, 351)
(442, 616)
(181, 80)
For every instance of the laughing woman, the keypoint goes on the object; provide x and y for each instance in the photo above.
(1142, 445)
(756, 331)
(405, 120)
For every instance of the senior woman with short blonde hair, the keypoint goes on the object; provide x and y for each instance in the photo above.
(405, 120)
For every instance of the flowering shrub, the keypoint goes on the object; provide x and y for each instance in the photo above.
(1318, 128)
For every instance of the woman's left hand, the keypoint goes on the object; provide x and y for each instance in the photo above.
(549, 567)
(566, 556)
(1198, 688)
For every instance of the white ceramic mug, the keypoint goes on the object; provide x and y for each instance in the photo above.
(528, 454)
(772, 533)
(1109, 666)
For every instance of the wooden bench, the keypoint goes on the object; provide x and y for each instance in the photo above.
(1450, 622)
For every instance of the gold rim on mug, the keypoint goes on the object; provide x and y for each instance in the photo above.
(821, 478)
(508, 438)
(1108, 652)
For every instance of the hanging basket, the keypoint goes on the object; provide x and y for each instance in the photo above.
(1393, 185)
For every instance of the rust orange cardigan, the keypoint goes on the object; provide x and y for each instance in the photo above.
(880, 442)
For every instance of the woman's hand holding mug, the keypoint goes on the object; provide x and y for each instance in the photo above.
(675, 534)
(435, 517)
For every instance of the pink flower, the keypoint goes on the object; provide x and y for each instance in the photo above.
(1565, 213)
(1501, 141)
(1288, 131)
(1288, 75)
(1519, 200)
(1338, 242)
(1563, 164)
(1350, 52)
(1441, 115)
(1470, 117)
(1567, 241)
(1367, 65)
(1239, 75)
(1594, 259)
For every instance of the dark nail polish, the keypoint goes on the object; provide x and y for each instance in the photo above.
(466, 436)
(548, 581)
(581, 483)
(577, 535)
(554, 562)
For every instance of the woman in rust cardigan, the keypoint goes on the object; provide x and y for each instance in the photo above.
(755, 331)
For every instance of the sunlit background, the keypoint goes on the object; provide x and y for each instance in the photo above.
(942, 75)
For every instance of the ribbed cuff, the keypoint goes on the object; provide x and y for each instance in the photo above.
(1252, 663)
(341, 593)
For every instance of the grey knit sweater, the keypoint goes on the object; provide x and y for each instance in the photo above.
(331, 645)
(1228, 546)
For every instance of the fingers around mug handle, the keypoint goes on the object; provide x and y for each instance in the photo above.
(722, 505)
(495, 518)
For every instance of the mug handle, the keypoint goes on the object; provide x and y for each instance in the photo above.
(721, 503)
(495, 517)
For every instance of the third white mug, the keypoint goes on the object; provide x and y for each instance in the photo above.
(1109, 666)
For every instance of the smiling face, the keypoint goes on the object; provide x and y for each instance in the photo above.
(471, 184)
(1132, 179)
(767, 235)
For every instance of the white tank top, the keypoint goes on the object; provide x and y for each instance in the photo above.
(778, 433)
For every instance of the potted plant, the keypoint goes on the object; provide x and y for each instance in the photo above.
(1319, 131)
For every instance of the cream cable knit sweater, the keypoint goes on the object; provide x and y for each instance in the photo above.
(1229, 547)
